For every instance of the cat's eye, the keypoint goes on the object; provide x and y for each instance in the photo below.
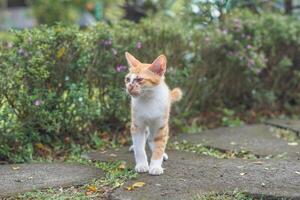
(127, 79)
(139, 79)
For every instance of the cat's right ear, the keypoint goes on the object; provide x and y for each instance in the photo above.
(131, 60)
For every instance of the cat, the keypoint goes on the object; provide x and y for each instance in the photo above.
(150, 107)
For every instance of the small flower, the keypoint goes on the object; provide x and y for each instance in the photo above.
(106, 42)
(114, 51)
(250, 62)
(22, 52)
(224, 31)
(121, 68)
(138, 45)
(38, 102)
(8, 45)
(249, 46)
(257, 71)
(67, 78)
(237, 21)
(206, 39)
(80, 99)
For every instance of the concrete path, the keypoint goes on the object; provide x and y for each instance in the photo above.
(188, 175)
(27, 177)
(262, 140)
(293, 125)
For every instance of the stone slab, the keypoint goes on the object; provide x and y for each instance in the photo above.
(19, 178)
(261, 140)
(188, 175)
(290, 124)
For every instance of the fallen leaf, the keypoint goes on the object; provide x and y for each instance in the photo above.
(39, 145)
(16, 168)
(258, 162)
(122, 140)
(297, 172)
(263, 184)
(122, 166)
(243, 173)
(90, 190)
(113, 155)
(232, 143)
(60, 52)
(138, 184)
(293, 143)
(129, 188)
(135, 186)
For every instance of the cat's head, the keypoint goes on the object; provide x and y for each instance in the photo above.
(143, 77)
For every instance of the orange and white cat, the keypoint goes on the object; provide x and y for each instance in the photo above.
(150, 107)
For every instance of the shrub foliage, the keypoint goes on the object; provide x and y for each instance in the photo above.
(65, 85)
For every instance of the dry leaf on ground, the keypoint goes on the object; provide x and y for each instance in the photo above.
(135, 186)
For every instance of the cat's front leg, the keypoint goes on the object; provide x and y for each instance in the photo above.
(139, 141)
(160, 140)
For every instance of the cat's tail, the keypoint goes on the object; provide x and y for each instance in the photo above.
(176, 95)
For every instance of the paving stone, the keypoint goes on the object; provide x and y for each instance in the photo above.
(290, 124)
(188, 175)
(261, 140)
(19, 178)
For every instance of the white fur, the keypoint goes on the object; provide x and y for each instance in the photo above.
(155, 167)
(140, 153)
(149, 114)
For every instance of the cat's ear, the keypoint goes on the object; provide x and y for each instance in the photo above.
(132, 61)
(159, 65)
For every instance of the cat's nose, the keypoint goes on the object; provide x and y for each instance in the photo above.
(130, 87)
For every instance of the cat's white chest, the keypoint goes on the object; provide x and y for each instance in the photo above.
(152, 108)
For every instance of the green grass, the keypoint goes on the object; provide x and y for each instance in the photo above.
(236, 195)
(209, 151)
(115, 176)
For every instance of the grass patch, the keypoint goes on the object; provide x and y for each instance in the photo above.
(236, 195)
(116, 174)
(209, 151)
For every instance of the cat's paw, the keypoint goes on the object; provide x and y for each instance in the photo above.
(156, 170)
(142, 168)
(165, 156)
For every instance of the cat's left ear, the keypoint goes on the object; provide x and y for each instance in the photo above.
(159, 65)
(132, 61)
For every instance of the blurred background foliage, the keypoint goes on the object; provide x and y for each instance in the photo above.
(62, 85)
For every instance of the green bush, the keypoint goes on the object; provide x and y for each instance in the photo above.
(61, 85)
(247, 61)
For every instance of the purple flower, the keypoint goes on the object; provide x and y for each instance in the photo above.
(257, 71)
(38, 102)
(224, 31)
(249, 46)
(22, 52)
(250, 62)
(121, 68)
(106, 42)
(237, 21)
(138, 45)
(206, 39)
